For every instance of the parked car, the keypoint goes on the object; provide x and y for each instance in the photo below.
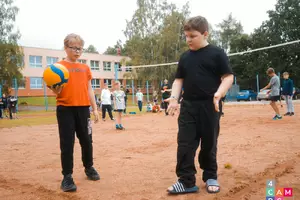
(246, 95)
(264, 95)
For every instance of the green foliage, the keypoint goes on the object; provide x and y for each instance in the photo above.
(113, 50)
(11, 55)
(91, 49)
(155, 35)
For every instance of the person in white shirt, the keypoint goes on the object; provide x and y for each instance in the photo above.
(139, 98)
(106, 102)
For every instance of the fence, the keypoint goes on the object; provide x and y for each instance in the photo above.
(148, 90)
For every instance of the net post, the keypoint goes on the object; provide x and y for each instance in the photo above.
(45, 97)
(16, 91)
(132, 88)
(257, 83)
(147, 85)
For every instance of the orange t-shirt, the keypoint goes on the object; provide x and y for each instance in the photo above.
(75, 92)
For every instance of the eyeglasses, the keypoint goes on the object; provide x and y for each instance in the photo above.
(75, 49)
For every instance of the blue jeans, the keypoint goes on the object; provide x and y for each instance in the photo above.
(140, 104)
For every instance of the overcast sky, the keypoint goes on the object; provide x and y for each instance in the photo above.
(45, 23)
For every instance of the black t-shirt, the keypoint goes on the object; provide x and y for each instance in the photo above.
(202, 71)
(126, 93)
(166, 94)
(12, 102)
(4, 100)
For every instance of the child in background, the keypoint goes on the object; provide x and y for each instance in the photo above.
(149, 107)
(139, 98)
(73, 115)
(119, 104)
(156, 108)
(287, 92)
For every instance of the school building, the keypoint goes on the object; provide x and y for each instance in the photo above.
(102, 68)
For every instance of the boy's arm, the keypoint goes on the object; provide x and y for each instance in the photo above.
(92, 96)
(176, 88)
(268, 86)
(226, 83)
(115, 103)
(291, 87)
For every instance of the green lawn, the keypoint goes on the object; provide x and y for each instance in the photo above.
(34, 118)
(37, 101)
(40, 101)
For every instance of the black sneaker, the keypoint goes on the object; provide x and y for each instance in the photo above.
(67, 184)
(286, 114)
(292, 113)
(92, 174)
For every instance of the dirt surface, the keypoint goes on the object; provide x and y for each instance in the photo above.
(139, 163)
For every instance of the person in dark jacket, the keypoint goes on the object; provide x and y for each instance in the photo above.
(287, 92)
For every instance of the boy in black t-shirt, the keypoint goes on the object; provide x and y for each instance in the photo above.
(204, 73)
(166, 93)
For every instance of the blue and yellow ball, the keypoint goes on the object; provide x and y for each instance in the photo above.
(56, 75)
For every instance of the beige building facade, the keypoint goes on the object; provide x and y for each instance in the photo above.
(36, 59)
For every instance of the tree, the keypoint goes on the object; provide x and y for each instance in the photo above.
(11, 55)
(229, 28)
(91, 49)
(155, 35)
(113, 50)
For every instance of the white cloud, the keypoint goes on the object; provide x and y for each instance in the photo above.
(45, 23)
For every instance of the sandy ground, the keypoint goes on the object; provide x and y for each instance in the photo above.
(139, 163)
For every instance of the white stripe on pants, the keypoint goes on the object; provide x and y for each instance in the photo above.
(289, 103)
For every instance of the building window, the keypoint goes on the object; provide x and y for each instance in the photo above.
(108, 81)
(35, 61)
(36, 83)
(149, 84)
(95, 83)
(51, 60)
(106, 66)
(21, 64)
(82, 61)
(21, 85)
(95, 65)
(118, 66)
(128, 69)
(129, 83)
(139, 84)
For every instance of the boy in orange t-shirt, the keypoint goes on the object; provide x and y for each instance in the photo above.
(73, 114)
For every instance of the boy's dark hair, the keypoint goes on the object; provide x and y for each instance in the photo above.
(197, 23)
(270, 71)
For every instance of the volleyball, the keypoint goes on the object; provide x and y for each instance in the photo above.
(56, 75)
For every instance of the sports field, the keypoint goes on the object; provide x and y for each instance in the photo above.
(139, 163)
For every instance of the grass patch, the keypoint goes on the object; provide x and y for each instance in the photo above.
(28, 121)
(40, 101)
(34, 118)
(37, 101)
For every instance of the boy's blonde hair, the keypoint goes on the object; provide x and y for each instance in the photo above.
(73, 38)
(117, 83)
(285, 73)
